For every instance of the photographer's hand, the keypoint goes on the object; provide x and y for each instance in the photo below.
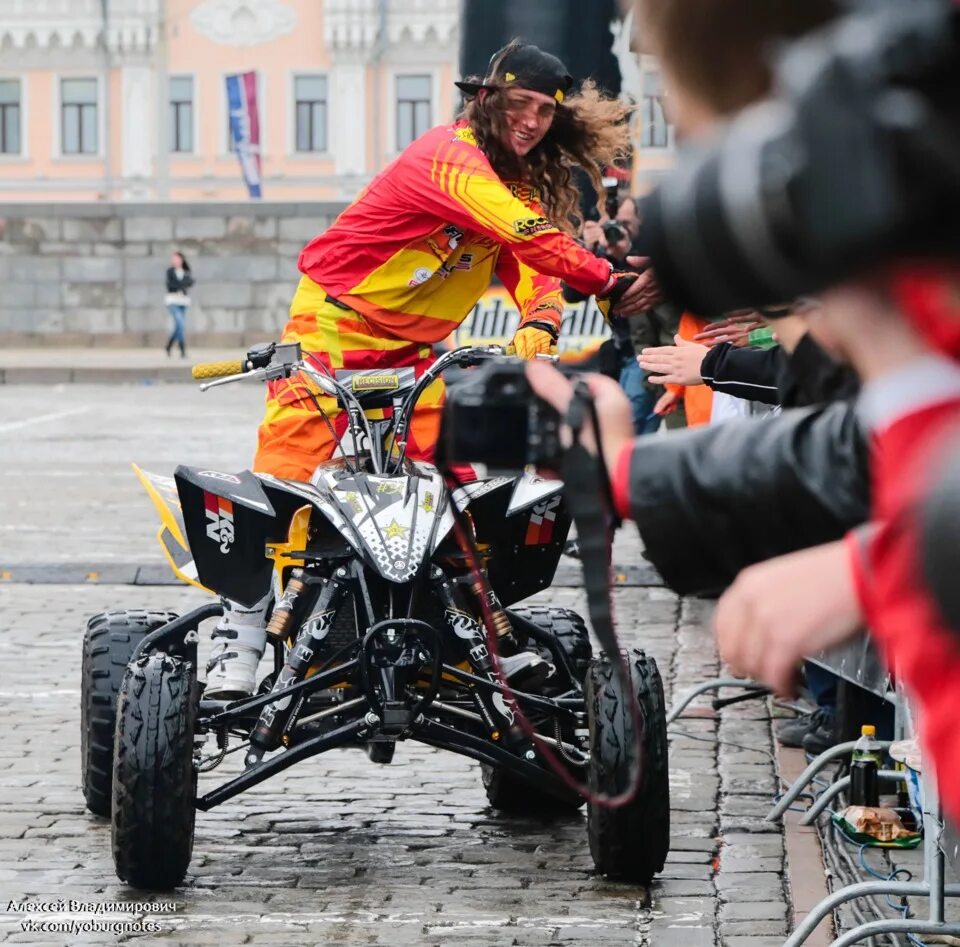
(780, 611)
(593, 237)
(610, 401)
(674, 364)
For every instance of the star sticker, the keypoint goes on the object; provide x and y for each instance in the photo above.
(396, 531)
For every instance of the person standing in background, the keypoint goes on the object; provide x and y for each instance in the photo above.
(616, 239)
(179, 280)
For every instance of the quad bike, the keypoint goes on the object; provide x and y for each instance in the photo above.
(378, 633)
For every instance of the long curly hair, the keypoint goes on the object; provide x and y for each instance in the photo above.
(589, 130)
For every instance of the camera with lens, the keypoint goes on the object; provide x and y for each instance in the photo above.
(613, 232)
(855, 162)
(494, 418)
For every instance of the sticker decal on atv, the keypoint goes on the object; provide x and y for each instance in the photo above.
(542, 518)
(502, 707)
(217, 475)
(219, 520)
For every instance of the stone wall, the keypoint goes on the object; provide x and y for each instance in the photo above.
(93, 274)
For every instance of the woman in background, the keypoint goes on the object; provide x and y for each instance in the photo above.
(179, 280)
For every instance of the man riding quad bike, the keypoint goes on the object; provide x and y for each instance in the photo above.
(383, 593)
(404, 264)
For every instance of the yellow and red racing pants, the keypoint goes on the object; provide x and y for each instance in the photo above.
(293, 437)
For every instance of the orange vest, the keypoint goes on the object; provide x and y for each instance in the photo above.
(697, 399)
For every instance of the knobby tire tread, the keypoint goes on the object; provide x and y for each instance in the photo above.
(630, 842)
(154, 786)
(504, 791)
(108, 644)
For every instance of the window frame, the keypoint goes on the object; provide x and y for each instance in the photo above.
(60, 113)
(21, 124)
(295, 149)
(654, 135)
(430, 76)
(173, 116)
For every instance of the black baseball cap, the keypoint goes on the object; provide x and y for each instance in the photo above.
(525, 67)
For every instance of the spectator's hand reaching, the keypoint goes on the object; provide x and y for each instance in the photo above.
(779, 611)
(735, 330)
(674, 364)
(643, 294)
(666, 404)
(611, 403)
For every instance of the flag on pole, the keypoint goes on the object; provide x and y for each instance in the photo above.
(245, 128)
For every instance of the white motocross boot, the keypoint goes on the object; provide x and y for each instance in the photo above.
(239, 641)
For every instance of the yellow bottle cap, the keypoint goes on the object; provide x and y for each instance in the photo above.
(868, 730)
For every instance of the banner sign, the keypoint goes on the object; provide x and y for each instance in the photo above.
(245, 128)
(495, 318)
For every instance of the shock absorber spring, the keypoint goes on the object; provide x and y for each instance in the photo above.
(275, 716)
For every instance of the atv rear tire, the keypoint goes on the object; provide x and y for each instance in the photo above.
(154, 778)
(108, 644)
(630, 842)
(504, 790)
(568, 628)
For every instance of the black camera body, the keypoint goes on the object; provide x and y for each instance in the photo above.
(493, 417)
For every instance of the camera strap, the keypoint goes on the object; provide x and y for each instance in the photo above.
(590, 501)
(588, 496)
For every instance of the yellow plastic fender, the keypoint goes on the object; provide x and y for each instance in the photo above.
(163, 492)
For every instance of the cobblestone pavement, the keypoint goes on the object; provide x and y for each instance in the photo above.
(335, 850)
(340, 851)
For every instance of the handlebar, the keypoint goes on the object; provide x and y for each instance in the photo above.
(218, 369)
(283, 360)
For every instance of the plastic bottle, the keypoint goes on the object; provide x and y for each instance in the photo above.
(762, 338)
(865, 761)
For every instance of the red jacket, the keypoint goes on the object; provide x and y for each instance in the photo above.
(916, 643)
(418, 247)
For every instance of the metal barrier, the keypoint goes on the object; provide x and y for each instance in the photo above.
(859, 664)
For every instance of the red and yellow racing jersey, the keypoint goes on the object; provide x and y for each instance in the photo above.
(419, 246)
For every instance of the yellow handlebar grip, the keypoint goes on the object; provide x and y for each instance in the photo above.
(217, 369)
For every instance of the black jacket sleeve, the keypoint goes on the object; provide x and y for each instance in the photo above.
(175, 285)
(710, 501)
(809, 375)
(744, 373)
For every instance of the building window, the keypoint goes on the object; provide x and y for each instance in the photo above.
(181, 114)
(10, 116)
(414, 94)
(655, 129)
(78, 116)
(310, 95)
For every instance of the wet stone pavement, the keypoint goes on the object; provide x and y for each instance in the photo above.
(335, 850)
(338, 850)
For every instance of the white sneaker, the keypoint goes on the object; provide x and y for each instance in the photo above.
(231, 670)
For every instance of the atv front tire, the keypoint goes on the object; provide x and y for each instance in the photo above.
(630, 842)
(154, 778)
(108, 644)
